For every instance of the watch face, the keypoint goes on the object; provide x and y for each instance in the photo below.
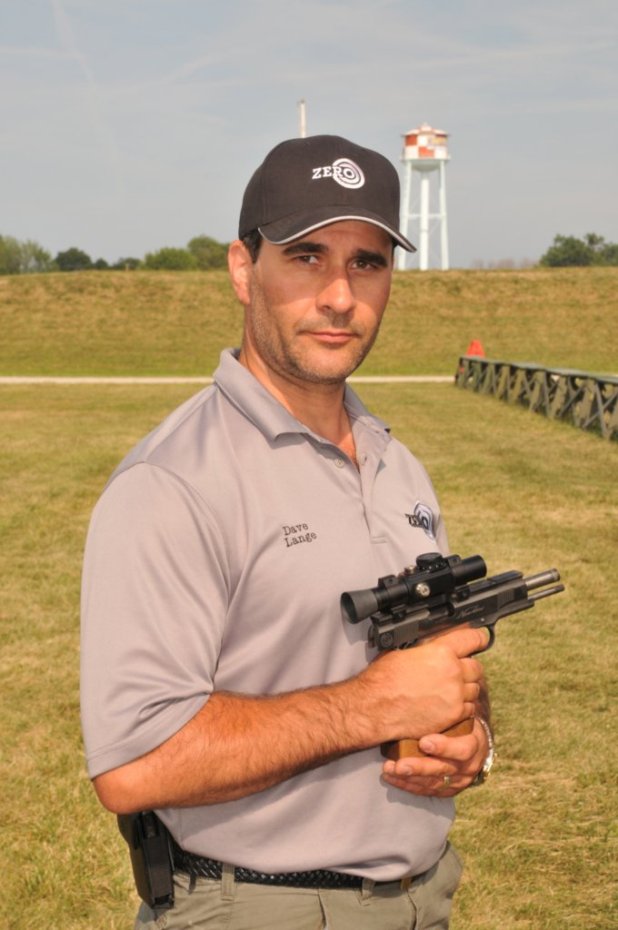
(483, 775)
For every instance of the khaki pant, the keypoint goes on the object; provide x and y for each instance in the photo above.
(204, 904)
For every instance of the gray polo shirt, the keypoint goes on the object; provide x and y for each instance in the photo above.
(215, 560)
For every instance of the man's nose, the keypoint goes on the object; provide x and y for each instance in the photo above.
(337, 294)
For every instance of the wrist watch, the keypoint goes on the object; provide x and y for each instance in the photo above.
(482, 776)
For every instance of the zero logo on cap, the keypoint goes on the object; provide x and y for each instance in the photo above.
(344, 171)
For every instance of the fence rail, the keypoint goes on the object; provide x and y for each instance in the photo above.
(586, 400)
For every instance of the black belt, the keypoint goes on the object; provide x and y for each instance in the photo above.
(203, 867)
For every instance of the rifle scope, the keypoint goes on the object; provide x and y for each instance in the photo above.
(433, 575)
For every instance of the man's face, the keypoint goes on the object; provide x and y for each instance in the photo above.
(315, 305)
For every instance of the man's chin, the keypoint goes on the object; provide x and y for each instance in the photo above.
(335, 368)
(327, 374)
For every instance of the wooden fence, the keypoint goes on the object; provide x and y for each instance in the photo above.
(585, 400)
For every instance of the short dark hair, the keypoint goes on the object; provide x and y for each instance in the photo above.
(252, 242)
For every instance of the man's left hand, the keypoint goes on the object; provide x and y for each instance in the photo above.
(449, 765)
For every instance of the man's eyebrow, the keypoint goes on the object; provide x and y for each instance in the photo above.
(306, 245)
(372, 258)
(317, 248)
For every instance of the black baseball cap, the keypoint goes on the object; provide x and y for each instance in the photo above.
(306, 183)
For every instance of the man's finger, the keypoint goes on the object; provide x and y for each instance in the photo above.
(467, 641)
(458, 748)
(472, 670)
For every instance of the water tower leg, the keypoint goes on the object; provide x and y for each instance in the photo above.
(423, 251)
(443, 223)
(404, 212)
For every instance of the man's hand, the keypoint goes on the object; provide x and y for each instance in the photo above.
(451, 763)
(412, 692)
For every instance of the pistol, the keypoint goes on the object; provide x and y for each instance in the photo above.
(436, 594)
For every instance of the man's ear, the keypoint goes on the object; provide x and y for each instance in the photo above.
(240, 267)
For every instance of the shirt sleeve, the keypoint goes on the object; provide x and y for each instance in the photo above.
(154, 601)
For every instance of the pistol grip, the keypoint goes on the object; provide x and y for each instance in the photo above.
(405, 748)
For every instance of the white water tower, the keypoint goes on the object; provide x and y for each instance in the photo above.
(424, 153)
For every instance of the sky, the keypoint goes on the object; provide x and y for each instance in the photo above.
(130, 125)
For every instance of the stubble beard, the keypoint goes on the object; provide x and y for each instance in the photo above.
(288, 359)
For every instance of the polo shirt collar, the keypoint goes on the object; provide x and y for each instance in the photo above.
(246, 393)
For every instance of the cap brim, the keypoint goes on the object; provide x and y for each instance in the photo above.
(293, 227)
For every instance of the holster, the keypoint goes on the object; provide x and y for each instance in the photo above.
(151, 858)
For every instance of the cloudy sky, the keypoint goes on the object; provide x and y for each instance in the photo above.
(128, 125)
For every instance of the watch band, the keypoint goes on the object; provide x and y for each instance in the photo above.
(482, 776)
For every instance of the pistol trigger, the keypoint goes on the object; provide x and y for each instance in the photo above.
(490, 641)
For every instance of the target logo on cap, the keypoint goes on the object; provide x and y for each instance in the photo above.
(347, 173)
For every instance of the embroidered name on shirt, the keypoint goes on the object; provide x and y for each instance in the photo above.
(293, 535)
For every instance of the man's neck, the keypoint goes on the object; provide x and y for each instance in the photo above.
(317, 406)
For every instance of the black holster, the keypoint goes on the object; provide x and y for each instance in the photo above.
(151, 858)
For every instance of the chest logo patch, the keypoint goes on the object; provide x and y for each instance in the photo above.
(422, 518)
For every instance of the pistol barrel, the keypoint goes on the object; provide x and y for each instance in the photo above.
(541, 580)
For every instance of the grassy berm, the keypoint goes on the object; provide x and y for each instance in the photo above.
(539, 840)
(157, 323)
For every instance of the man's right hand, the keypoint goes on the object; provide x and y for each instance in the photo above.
(425, 689)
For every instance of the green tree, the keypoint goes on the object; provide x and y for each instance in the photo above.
(591, 250)
(10, 255)
(605, 253)
(208, 252)
(23, 257)
(567, 250)
(34, 258)
(594, 242)
(73, 259)
(171, 259)
(609, 253)
(127, 264)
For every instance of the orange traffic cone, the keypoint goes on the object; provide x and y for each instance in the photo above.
(476, 348)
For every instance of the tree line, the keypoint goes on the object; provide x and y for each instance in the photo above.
(204, 253)
(569, 250)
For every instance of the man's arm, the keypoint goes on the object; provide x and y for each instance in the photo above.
(237, 745)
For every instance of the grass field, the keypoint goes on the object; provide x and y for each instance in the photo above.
(157, 323)
(540, 838)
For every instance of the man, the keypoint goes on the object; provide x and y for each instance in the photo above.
(221, 686)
